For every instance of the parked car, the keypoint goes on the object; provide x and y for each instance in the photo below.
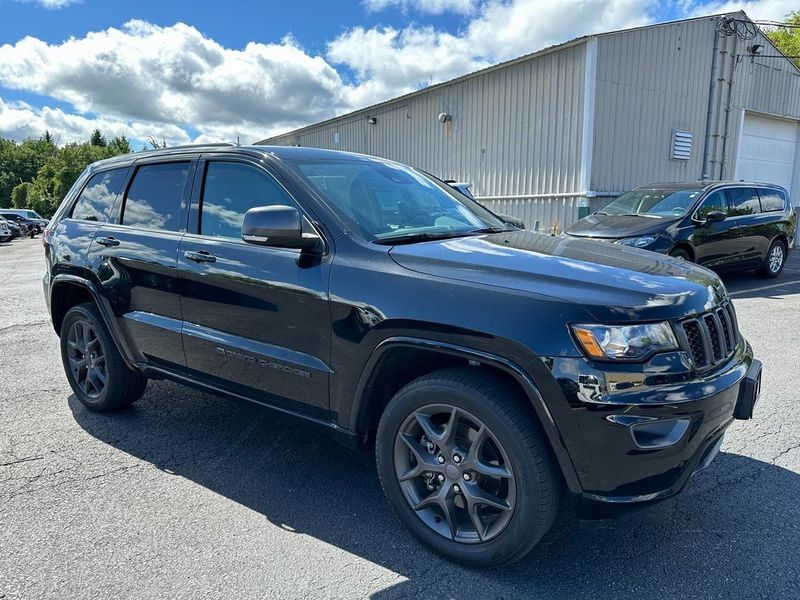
(5, 232)
(718, 224)
(463, 187)
(500, 373)
(29, 214)
(27, 227)
(14, 229)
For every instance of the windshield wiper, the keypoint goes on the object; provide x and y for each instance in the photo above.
(420, 236)
(490, 230)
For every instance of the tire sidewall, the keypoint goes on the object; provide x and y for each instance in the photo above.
(524, 526)
(82, 313)
(766, 270)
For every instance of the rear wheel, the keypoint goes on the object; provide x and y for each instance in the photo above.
(774, 261)
(94, 367)
(680, 253)
(465, 468)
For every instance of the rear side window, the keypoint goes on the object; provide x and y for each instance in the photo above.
(743, 201)
(230, 190)
(771, 200)
(154, 197)
(98, 198)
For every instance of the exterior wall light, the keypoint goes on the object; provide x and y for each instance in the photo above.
(444, 117)
(372, 120)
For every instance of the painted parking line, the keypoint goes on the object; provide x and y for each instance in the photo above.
(765, 287)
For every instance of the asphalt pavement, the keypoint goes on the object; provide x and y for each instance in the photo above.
(188, 495)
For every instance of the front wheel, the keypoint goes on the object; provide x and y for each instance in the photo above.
(774, 261)
(94, 367)
(680, 253)
(465, 468)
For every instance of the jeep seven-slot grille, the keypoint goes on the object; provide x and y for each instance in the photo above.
(711, 337)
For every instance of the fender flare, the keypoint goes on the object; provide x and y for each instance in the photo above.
(106, 313)
(535, 398)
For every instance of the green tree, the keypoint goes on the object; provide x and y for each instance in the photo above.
(97, 139)
(19, 195)
(787, 39)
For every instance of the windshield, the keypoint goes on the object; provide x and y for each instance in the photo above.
(386, 201)
(31, 214)
(657, 203)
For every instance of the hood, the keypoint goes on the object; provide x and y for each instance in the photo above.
(618, 226)
(612, 282)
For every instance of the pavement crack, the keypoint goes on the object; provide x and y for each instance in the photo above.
(21, 460)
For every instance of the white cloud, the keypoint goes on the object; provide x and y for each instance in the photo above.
(431, 7)
(52, 4)
(19, 121)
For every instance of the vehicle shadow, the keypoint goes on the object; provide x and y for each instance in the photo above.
(746, 284)
(734, 532)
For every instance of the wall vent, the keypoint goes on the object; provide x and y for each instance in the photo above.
(681, 145)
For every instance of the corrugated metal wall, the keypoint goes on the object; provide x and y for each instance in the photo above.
(515, 131)
(649, 82)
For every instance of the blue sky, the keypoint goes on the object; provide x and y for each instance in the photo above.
(202, 71)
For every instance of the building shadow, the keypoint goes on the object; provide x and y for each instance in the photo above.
(734, 532)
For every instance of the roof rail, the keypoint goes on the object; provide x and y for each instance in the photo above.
(184, 146)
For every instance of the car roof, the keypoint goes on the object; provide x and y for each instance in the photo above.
(279, 152)
(704, 185)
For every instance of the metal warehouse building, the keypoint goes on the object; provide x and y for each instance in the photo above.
(573, 125)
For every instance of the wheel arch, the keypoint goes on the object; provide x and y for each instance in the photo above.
(391, 358)
(687, 247)
(67, 290)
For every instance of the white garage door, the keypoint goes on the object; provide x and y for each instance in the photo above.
(768, 150)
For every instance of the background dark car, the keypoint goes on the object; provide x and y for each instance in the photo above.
(24, 224)
(720, 225)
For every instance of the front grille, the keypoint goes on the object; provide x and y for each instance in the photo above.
(710, 338)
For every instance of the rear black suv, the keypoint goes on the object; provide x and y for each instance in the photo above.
(499, 373)
(724, 225)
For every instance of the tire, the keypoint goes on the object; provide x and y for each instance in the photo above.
(84, 338)
(528, 492)
(773, 261)
(5, 239)
(681, 254)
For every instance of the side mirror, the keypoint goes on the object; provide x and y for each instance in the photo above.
(278, 227)
(715, 216)
(513, 221)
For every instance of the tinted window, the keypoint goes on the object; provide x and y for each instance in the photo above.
(771, 200)
(388, 201)
(230, 190)
(96, 202)
(743, 201)
(715, 202)
(657, 202)
(154, 197)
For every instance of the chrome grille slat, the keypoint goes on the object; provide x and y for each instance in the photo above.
(711, 337)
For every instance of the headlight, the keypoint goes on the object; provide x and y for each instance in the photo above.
(638, 242)
(624, 342)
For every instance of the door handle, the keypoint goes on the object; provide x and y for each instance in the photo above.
(199, 257)
(107, 241)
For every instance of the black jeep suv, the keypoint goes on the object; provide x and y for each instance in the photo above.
(499, 373)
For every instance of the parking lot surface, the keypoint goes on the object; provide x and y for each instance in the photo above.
(188, 495)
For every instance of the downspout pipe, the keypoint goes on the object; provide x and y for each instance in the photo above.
(723, 173)
(712, 91)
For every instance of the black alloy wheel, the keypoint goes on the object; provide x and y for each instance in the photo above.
(86, 357)
(454, 473)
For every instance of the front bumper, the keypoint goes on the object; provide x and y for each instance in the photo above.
(637, 437)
